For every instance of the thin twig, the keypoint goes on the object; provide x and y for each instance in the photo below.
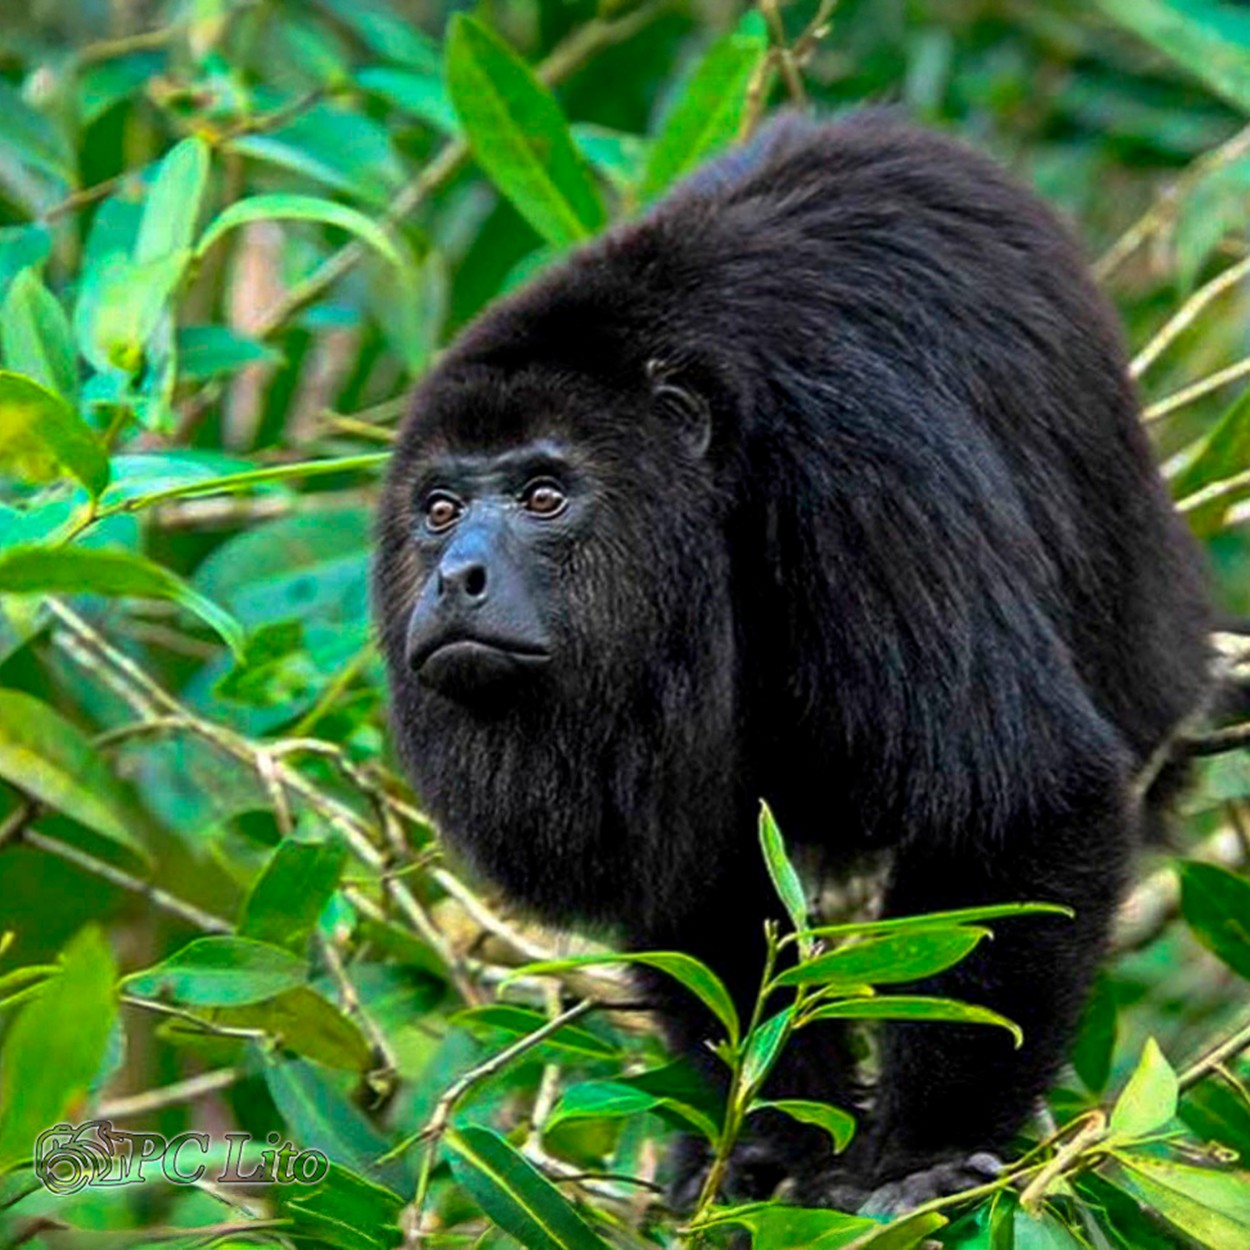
(1184, 317)
(175, 1095)
(1197, 390)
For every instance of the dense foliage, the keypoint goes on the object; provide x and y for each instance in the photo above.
(232, 234)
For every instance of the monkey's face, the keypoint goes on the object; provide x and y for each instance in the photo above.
(490, 532)
(540, 542)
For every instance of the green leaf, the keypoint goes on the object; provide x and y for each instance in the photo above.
(120, 307)
(779, 1227)
(1216, 906)
(51, 760)
(673, 1092)
(1211, 1207)
(40, 435)
(515, 1195)
(213, 351)
(569, 1042)
(888, 960)
(916, 1007)
(1215, 204)
(939, 919)
(697, 977)
(321, 1117)
(839, 1124)
(763, 1046)
(36, 338)
(1221, 454)
(385, 31)
(1149, 1099)
(617, 156)
(346, 1210)
(220, 972)
(785, 878)
(345, 150)
(77, 570)
(710, 111)
(305, 1022)
(173, 203)
(1095, 1041)
(1043, 1231)
(903, 1234)
(423, 95)
(291, 893)
(56, 1044)
(282, 207)
(519, 136)
(1211, 41)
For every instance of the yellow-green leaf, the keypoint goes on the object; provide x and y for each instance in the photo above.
(52, 760)
(519, 135)
(41, 437)
(1149, 1099)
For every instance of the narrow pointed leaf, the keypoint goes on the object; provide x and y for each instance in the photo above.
(1183, 1205)
(515, 1195)
(221, 972)
(839, 1124)
(52, 760)
(697, 977)
(785, 878)
(282, 207)
(939, 919)
(41, 436)
(1149, 1099)
(79, 570)
(36, 337)
(709, 113)
(173, 202)
(1216, 906)
(918, 1008)
(56, 1044)
(519, 136)
(888, 960)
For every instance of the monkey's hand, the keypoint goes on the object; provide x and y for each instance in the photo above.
(841, 1189)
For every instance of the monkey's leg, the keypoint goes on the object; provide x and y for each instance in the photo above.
(948, 1094)
(817, 1064)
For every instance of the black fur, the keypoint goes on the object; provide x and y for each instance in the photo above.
(923, 591)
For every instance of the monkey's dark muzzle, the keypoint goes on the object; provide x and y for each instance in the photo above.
(464, 667)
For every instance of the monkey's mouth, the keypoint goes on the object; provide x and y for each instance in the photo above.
(461, 667)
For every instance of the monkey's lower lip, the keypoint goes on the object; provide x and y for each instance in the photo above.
(468, 665)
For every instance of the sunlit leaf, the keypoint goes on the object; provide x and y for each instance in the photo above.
(709, 113)
(40, 436)
(939, 919)
(914, 1007)
(172, 206)
(697, 977)
(792, 1228)
(283, 207)
(1212, 41)
(519, 136)
(516, 1195)
(289, 895)
(763, 1048)
(1148, 1101)
(1216, 906)
(784, 876)
(52, 760)
(79, 570)
(220, 972)
(839, 1124)
(423, 95)
(36, 337)
(1211, 1207)
(674, 1091)
(888, 960)
(306, 1023)
(346, 1210)
(56, 1044)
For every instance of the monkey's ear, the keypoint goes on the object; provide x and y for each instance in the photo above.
(681, 406)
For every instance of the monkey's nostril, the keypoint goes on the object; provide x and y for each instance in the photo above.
(475, 581)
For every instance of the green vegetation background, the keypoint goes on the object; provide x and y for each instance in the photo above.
(232, 235)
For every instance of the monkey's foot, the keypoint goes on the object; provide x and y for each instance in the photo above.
(844, 1190)
(899, 1196)
(756, 1167)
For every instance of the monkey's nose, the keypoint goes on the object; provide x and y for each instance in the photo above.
(464, 579)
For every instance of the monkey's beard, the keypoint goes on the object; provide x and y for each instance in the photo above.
(571, 795)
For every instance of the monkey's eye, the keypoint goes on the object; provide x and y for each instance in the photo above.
(543, 498)
(442, 512)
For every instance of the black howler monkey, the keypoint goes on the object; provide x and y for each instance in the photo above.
(822, 482)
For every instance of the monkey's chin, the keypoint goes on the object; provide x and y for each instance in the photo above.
(469, 671)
